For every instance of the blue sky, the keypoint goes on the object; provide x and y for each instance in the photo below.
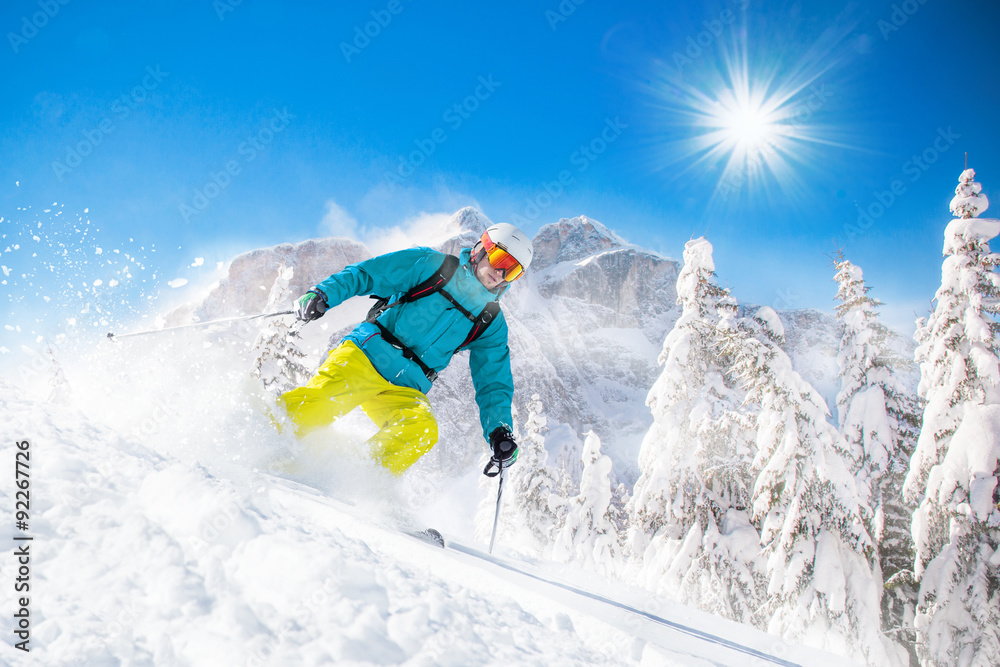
(170, 131)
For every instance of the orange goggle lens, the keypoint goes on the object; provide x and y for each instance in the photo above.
(502, 260)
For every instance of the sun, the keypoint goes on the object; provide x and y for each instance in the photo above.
(752, 124)
(749, 127)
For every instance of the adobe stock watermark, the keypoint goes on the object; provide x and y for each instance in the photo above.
(454, 117)
(363, 35)
(30, 26)
(785, 300)
(121, 617)
(562, 12)
(261, 652)
(223, 7)
(247, 152)
(913, 169)
(901, 13)
(581, 158)
(119, 110)
(698, 44)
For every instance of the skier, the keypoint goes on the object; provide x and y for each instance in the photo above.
(430, 305)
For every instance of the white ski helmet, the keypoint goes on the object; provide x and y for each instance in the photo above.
(511, 240)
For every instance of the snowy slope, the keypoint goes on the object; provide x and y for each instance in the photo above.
(145, 558)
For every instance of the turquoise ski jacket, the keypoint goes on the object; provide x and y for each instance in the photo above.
(430, 326)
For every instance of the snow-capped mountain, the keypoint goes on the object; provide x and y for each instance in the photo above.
(587, 323)
(245, 287)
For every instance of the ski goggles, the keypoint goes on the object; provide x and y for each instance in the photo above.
(501, 260)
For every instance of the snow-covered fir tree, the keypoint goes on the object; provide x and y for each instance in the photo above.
(277, 355)
(871, 404)
(526, 521)
(59, 390)
(618, 512)
(665, 457)
(567, 474)
(695, 460)
(818, 550)
(877, 417)
(954, 470)
(587, 536)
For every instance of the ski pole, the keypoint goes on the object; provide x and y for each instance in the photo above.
(496, 517)
(114, 336)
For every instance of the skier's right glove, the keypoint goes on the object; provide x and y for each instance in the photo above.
(504, 451)
(311, 306)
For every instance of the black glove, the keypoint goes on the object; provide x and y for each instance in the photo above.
(311, 306)
(504, 451)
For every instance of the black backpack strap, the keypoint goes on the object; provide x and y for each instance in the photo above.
(480, 323)
(388, 337)
(459, 307)
(433, 284)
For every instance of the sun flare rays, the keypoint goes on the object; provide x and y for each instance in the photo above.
(750, 123)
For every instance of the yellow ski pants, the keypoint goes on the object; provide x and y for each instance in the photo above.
(347, 379)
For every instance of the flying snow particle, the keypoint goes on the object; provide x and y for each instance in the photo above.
(198, 261)
(98, 251)
(98, 282)
(6, 271)
(178, 282)
(112, 282)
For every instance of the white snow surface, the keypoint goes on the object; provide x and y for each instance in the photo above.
(142, 557)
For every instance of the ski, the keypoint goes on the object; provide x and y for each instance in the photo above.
(428, 535)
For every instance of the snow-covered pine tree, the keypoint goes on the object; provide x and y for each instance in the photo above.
(954, 470)
(663, 495)
(820, 586)
(588, 536)
(878, 419)
(526, 522)
(695, 461)
(566, 475)
(277, 355)
(59, 390)
(618, 513)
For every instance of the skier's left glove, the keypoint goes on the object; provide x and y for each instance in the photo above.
(311, 306)
(504, 451)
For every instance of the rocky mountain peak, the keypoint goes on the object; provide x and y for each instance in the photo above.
(245, 287)
(465, 228)
(469, 219)
(572, 239)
